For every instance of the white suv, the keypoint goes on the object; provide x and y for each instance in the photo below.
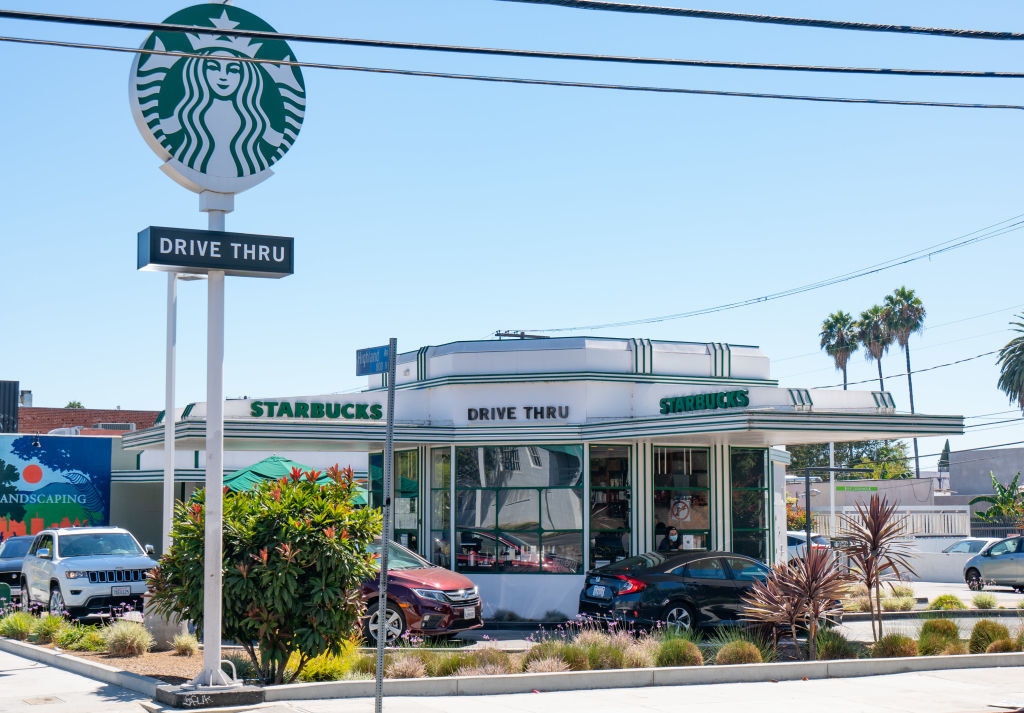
(85, 570)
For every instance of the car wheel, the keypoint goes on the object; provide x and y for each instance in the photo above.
(973, 579)
(1019, 590)
(26, 601)
(678, 617)
(394, 623)
(56, 603)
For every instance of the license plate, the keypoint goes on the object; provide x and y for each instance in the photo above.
(469, 613)
(598, 591)
(120, 591)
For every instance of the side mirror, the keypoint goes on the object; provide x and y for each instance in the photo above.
(43, 553)
(150, 550)
(986, 553)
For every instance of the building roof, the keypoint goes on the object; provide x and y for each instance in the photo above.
(42, 420)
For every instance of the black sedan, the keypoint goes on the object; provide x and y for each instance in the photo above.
(12, 550)
(682, 590)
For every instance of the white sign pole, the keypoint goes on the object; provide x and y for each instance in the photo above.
(213, 556)
(169, 414)
(386, 530)
(832, 489)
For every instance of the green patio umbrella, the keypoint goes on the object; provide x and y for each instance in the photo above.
(275, 468)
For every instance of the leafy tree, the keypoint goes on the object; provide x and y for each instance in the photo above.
(295, 553)
(9, 476)
(1006, 501)
(889, 461)
(873, 331)
(839, 339)
(74, 404)
(848, 455)
(906, 313)
(1011, 366)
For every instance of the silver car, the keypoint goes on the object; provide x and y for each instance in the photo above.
(1002, 564)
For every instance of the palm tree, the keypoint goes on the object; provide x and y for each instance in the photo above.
(874, 333)
(839, 339)
(1011, 366)
(906, 316)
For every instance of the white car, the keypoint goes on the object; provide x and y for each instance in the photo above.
(85, 571)
(795, 540)
(972, 545)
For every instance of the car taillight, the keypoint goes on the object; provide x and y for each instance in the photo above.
(630, 585)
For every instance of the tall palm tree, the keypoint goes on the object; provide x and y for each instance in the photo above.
(874, 333)
(839, 339)
(906, 313)
(1011, 365)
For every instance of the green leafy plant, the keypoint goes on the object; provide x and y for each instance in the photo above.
(736, 652)
(893, 646)
(1001, 646)
(77, 637)
(984, 600)
(17, 625)
(931, 644)
(295, 553)
(678, 652)
(898, 603)
(985, 631)
(946, 602)
(47, 627)
(445, 664)
(876, 549)
(1005, 503)
(243, 666)
(127, 638)
(1011, 366)
(832, 645)
(186, 645)
(902, 589)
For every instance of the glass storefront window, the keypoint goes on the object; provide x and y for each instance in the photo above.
(519, 509)
(681, 496)
(440, 506)
(406, 505)
(609, 504)
(749, 469)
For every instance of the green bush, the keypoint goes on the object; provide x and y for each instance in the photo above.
(47, 627)
(244, 667)
(127, 638)
(1001, 646)
(186, 645)
(738, 652)
(728, 635)
(832, 645)
(986, 631)
(1020, 639)
(898, 603)
(893, 646)
(933, 644)
(80, 638)
(364, 664)
(941, 627)
(984, 600)
(17, 625)
(903, 589)
(445, 664)
(293, 549)
(946, 602)
(955, 648)
(678, 652)
(328, 667)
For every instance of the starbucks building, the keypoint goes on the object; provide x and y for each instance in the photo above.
(523, 463)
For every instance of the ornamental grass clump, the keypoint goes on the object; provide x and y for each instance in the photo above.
(832, 646)
(984, 600)
(295, 553)
(946, 602)
(933, 644)
(548, 665)
(736, 652)
(902, 589)
(678, 652)
(894, 646)
(955, 648)
(986, 631)
(17, 625)
(77, 637)
(642, 652)
(898, 603)
(1001, 646)
(445, 664)
(405, 666)
(47, 627)
(186, 645)
(127, 638)
(941, 627)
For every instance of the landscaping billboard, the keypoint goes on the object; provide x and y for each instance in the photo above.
(53, 481)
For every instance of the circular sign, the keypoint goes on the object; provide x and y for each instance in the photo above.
(32, 474)
(218, 120)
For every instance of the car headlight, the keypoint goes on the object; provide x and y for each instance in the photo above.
(434, 594)
(76, 574)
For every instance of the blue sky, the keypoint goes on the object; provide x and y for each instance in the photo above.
(435, 210)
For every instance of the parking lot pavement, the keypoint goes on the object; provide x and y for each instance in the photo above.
(967, 691)
(1005, 596)
(27, 686)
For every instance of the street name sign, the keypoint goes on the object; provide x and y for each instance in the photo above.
(373, 360)
(201, 251)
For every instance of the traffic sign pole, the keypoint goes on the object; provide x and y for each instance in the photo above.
(382, 599)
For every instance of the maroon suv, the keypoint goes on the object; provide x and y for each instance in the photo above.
(422, 599)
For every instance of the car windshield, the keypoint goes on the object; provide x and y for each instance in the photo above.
(15, 547)
(632, 564)
(820, 540)
(98, 544)
(399, 557)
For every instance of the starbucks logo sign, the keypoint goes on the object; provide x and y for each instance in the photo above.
(219, 122)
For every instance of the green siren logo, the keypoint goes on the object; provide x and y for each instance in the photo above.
(218, 120)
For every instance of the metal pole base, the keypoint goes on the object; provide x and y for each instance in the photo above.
(213, 679)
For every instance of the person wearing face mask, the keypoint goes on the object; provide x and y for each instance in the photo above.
(670, 541)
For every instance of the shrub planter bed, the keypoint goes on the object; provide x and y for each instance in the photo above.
(936, 614)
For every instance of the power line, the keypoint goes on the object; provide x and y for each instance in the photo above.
(777, 20)
(993, 413)
(916, 371)
(494, 51)
(993, 423)
(927, 455)
(976, 236)
(520, 80)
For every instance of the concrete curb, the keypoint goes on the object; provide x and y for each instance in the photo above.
(100, 672)
(630, 678)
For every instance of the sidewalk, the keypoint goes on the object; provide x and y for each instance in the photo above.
(29, 687)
